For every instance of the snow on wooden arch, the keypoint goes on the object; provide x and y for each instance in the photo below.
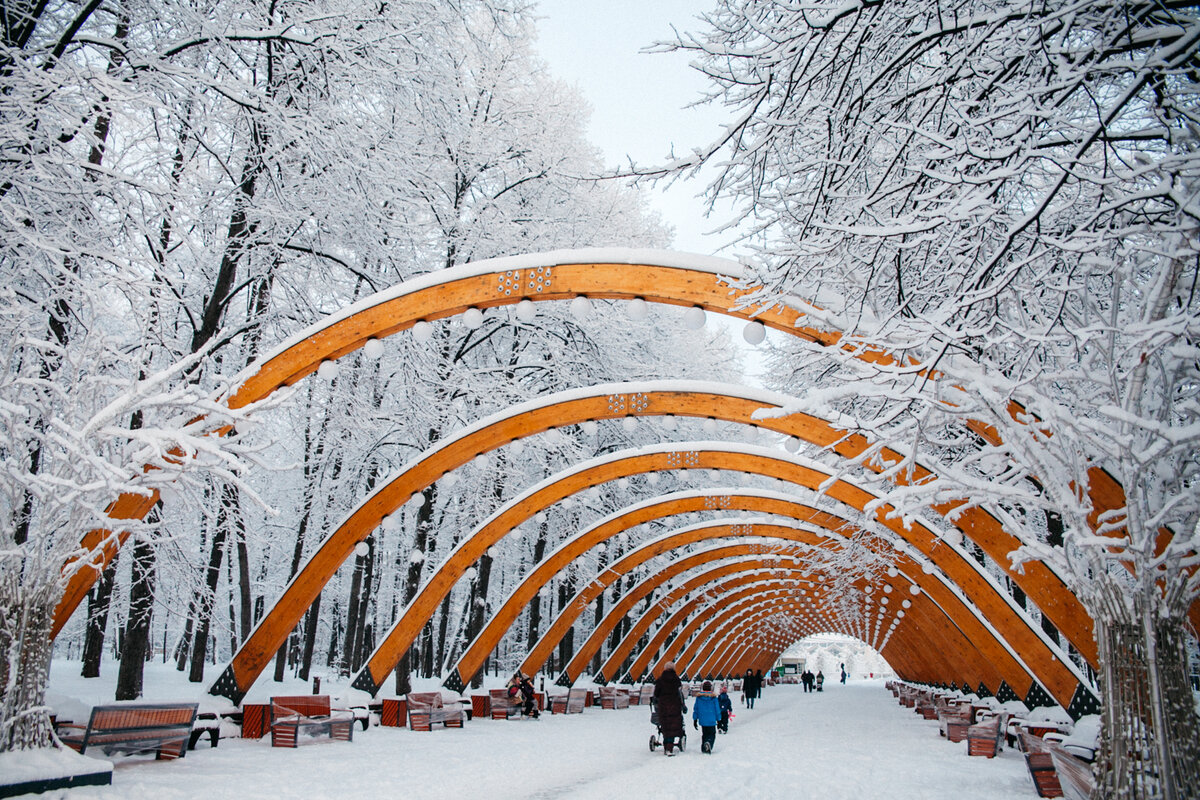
(947, 641)
(997, 606)
(663, 277)
(700, 399)
(966, 572)
(489, 637)
(612, 273)
(935, 630)
(968, 655)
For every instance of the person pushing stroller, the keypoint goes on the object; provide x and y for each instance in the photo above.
(706, 714)
(669, 708)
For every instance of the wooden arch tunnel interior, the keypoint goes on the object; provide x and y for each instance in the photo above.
(559, 277)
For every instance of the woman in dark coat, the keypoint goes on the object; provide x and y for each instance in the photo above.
(749, 689)
(668, 702)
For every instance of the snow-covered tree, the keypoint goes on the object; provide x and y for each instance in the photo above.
(998, 201)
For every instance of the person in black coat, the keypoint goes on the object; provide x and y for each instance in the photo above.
(749, 690)
(668, 702)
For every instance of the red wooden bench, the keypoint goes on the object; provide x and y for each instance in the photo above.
(611, 697)
(1040, 764)
(504, 706)
(983, 738)
(425, 709)
(163, 728)
(570, 703)
(309, 715)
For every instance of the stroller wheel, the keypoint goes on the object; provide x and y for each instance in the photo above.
(683, 743)
(653, 743)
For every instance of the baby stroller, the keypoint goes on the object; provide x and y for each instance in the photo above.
(655, 738)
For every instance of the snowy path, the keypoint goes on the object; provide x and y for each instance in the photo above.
(847, 742)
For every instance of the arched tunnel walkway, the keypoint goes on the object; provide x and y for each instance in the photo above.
(664, 278)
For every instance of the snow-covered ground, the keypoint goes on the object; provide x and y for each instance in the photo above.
(851, 741)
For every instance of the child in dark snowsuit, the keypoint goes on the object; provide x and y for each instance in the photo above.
(726, 706)
(706, 712)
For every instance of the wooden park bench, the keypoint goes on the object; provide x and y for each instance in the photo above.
(310, 715)
(163, 728)
(570, 703)
(426, 709)
(954, 721)
(504, 706)
(983, 738)
(612, 698)
(1040, 764)
(1075, 776)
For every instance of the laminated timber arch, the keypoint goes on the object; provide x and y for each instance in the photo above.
(705, 621)
(654, 276)
(948, 636)
(677, 398)
(707, 455)
(1014, 629)
(926, 647)
(473, 658)
(954, 627)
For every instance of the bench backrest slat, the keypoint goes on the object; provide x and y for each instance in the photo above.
(117, 718)
(306, 705)
(424, 700)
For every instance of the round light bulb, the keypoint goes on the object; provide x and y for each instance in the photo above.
(638, 309)
(754, 332)
(581, 307)
(472, 318)
(526, 311)
(422, 331)
(328, 370)
(694, 318)
(373, 349)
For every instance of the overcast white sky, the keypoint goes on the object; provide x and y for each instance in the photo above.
(637, 98)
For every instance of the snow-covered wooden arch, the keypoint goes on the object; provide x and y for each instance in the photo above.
(751, 556)
(732, 403)
(1046, 664)
(954, 627)
(651, 276)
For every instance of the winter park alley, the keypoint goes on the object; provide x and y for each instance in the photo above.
(360, 355)
(850, 742)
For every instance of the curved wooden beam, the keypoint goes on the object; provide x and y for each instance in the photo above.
(659, 277)
(740, 500)
(476, 653)
(954, 615)
(964, 571)
(396, 642)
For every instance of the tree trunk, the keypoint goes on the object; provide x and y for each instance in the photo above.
(26, 614)
(1151, 733)
(349, 648)
(137, 626)
(204, 608)
(99, 600)
(310, 637)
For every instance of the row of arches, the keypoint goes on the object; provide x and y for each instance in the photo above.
(996, 634)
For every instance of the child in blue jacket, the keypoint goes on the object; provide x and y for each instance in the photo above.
(726, 706)
(706, 713)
